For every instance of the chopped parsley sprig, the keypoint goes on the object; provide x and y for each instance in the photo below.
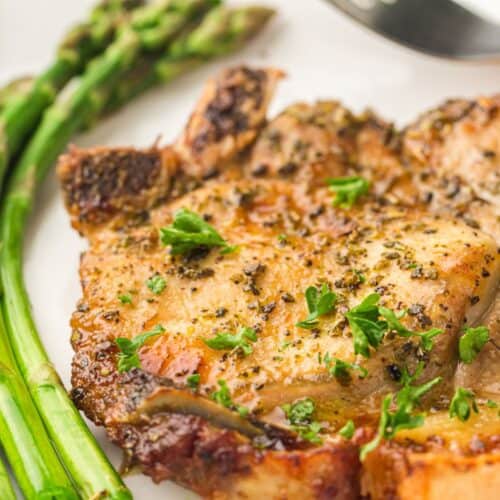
(393, 324)
(341, 369)
(189, 231)
(193, 381)
(367, 329)
(370, 322)
(391, 422)
(125, 298)
(319, 302)
(156, 284)
(300, 416)
(128, 357)
(462, 403)
(240, 340)
(223, 398)
(347, 190)
(471, 343)
(347, 432)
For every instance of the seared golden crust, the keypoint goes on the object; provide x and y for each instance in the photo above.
(227, 118)
(431, 472)
(272, 202)
(453, 153)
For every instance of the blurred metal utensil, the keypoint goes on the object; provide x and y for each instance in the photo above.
(437, 27)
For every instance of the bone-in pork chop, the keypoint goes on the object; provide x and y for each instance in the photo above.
(254, 292)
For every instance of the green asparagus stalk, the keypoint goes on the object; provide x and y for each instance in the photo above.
(25, 442)
(15, 89)
(21, 114)
(72, 438)
(22, 433)
(222, 31)
(6, 490)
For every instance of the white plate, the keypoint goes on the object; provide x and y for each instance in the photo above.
(325, 56)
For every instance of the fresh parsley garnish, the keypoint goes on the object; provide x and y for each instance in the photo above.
(193, 381)
(128, 357)
(156, 284)
(347, 190)
(241, 340)
(361, 277)
(126, 298)
(461, 404)
(223, 397)
(402, 417)
(347, 432)
(368, 328)
(491, 404)
(393, 323)
(471, 343)
(189, 231)
(299, 412)
(300, 416)
(319, 302)
(309, 432)
(341, 369)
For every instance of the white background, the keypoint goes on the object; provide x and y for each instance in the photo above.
(325, 56)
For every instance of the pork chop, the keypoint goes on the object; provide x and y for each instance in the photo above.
(241, 388)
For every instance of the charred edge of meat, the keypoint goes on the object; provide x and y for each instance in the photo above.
(189, 449)
(98, 184)
(142, 396)
(239, 92)
(186, 449)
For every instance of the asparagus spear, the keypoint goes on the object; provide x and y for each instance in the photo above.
(21, 114)
(72, 438)
(22, 433)
(222, 31)
(15, 89)
(25, 442)
(6, 490)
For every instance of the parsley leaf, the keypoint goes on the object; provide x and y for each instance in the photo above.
(395, 325)
(189, 231)
(347, 432)
(340, 369)
(347, 190)
(461, 404)
(471, 343)
(401, 418)
(128, 358)
(156, 284)
(491, 404)
(367, 329)
(193, 381)
(240, 340)
(223, 397)
(382, 426)
(125, 298)
(319, 302)
(300, 414)
(309, 432)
